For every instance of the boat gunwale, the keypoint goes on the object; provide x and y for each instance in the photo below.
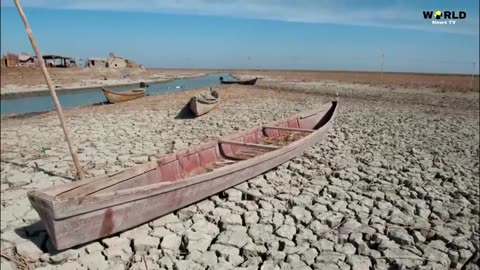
(163, 187)
(242, 165)
(172, 156)
(125, 93)
(214, 102)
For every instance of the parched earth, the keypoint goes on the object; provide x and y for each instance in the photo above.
(443, 82)
(393, 186)
(15, 80)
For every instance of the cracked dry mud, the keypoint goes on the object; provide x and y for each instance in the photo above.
(393, 186)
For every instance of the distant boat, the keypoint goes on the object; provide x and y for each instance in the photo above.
(204, 102)
(245, 82)
(116, 97)
(78, 212)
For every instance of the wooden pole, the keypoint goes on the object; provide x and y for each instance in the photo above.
(52, 90)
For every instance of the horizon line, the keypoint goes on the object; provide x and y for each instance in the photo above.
(322, 70)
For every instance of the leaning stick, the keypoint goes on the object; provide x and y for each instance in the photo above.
(52, 90)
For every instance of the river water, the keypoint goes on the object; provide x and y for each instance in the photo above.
(69, 99)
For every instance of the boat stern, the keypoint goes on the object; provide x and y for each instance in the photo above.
(42, 205)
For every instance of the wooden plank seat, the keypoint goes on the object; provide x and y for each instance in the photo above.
(219, 164)
(251, 150)
(254, 145)
(95, 186)
(241, 155)
(245, 154)
(289, 129)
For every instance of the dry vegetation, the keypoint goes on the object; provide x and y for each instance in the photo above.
(439, 81)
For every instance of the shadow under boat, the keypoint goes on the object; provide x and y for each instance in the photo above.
(185, 113)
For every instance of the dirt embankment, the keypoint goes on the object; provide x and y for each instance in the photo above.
(33, 76)
(445, 82)
(30, 79)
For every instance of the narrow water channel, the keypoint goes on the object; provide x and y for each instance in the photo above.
(42, 103)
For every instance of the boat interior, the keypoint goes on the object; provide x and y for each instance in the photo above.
(210, 156)
(128, 92)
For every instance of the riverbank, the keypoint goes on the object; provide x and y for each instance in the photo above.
(29, 81)
(27, 91)
(35, 102)
(443, 82)
(394, 185)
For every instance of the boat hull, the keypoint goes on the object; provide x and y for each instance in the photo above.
(247, 82)
(101, 223)
(198, 108)
(117, 97)
(77, 221)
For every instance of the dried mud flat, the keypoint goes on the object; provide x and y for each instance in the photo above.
(442, 82)
(393, 186)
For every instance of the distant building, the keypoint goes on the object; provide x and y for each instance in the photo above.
(97, 62)
(114, 61)
(23, 59)
(10, 60)
(52, 60)
(26, 59)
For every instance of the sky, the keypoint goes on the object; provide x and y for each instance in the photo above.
(260, 34)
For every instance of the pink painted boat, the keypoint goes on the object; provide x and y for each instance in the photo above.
(79, 212)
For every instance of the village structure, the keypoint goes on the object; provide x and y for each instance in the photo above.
(52, 60)
(113, 61)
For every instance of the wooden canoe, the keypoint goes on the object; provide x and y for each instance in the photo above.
(204, 102)
(78, 212)
(116, 97)
(245, 82)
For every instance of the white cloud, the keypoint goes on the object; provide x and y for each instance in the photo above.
(390, 14)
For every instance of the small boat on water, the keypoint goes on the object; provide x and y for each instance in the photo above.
(79, 212)
(116, 97)
(204, 102)
(245, 82)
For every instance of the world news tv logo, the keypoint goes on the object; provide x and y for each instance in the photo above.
(444, 17)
